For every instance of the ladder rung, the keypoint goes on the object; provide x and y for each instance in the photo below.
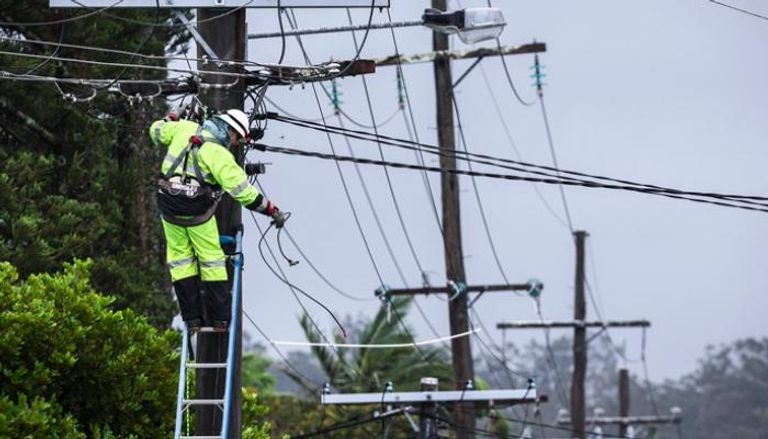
(211, 329)
(206, 365)
(203, 401)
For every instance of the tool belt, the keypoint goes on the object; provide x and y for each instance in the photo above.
(184, 200)
(186, 204)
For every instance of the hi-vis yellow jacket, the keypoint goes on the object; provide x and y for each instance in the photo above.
(217, 165)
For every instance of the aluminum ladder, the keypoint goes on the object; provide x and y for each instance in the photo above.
(224, 404)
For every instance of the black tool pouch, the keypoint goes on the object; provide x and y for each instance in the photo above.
(186, 201)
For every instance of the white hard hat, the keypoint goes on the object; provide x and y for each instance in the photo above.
(237, 120)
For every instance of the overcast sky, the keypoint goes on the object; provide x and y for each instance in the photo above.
(665, 92)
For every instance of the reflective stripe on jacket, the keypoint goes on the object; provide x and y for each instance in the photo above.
(217, 164)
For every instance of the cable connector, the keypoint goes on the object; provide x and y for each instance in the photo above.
(458, 288)
(267, 115)
(258, 168)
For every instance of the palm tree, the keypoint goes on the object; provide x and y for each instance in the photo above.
(369, 369)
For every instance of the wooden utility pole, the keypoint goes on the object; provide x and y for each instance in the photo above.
(461, 350)
(578, 414)
(623, 399)
(225, 36)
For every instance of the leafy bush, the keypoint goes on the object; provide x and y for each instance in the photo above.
(24, 420)
(110, 370)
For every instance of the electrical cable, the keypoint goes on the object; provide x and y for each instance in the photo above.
(509, 78)
(343, 426)
(386, 171)
(147, 23)
(744, 11)
(294, 287)
(271, 102)
(415, 134)
(114, 64)
(62, 21)
(481, 209)
(292, 23)
(381, 346)
(508, 134)
(55, 52)
(551, 361)
(374, 212)
(498, 161)
(141, 46)
(314, 268)
(129, 53)
(343, 71)
(323, 278)
(288, 364)
(282, 31)
(648, 385)
(551, 144)
(386, 121)
(565, 429)
(508, 370)
(587, 184)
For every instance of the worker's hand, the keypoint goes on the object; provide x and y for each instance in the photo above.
(171, 117)
(279, 219)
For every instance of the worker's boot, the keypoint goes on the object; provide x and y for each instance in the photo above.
(188, 293)
(218, 301)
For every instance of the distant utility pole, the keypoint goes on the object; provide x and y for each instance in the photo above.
(463, 369)
(578, 417)
(624, 420)
(579, 341)
(623, 398)
(225, 37)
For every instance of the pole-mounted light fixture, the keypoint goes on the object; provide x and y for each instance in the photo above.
(472, 24)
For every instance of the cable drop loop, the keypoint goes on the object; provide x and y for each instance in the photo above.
(291, 262)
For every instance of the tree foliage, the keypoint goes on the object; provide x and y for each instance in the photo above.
(368, 369)
(23, 419)
(727, 395)
(75, 178)
(62, 346)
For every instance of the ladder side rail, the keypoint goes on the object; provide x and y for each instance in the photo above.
(182, 381)
(233, 325)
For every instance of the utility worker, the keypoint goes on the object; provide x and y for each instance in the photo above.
(197, 167)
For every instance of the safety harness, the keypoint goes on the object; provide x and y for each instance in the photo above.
(185, 200)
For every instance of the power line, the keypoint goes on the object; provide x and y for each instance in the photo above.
(115, 64)
(146, 23)
(64, 20)
(413, 126)
(743, 11)
(381, 346)
(512, 143)
(386, 171)
(551, 144)
(280, 353)
(293, 24)
(323, 277)
(499, 162)
(294, 287)
(477, 193)
(551, 180)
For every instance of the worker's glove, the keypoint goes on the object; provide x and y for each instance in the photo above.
(171, 117)
(279, 219)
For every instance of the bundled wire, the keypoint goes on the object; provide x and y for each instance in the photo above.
(551, 175)
(294, 287)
